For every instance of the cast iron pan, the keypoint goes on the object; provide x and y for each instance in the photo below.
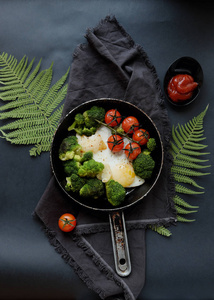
(133, 196)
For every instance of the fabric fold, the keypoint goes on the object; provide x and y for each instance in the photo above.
(111, 65)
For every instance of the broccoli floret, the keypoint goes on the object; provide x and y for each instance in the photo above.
(79, 119)
(146, 152)
(143, 165)
(68, 148)
(88, 131)
(74, 183)
(151, 144)
(71, 166)
(93, 114)
(86, 156)
(90, 168)
(86, 124)
(94, 188)
(115, 192)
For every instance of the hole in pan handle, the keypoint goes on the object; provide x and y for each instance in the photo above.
(120, 243)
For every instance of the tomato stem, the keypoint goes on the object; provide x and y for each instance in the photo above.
(114, 131)
(67, 222)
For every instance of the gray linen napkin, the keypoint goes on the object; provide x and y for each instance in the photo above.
(111, 65)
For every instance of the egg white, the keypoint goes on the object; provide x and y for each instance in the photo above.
(116, 165)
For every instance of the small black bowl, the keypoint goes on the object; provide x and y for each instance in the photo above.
(184, 65)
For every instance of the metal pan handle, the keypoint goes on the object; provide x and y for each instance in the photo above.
(120, 244)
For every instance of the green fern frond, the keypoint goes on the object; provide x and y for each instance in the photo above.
(190, 158)
(183, 211)
(161, 230)
(186, 179)
(31, 101)
(187, 150)
(184, 190)
(182, 219)
(187, 172)
(178, 200)
(188, 164)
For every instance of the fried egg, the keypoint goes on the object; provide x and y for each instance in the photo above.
(116, 165)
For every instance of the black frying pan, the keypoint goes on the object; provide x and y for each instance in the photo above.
(133, 196)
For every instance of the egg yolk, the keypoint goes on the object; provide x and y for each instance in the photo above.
(124, 174)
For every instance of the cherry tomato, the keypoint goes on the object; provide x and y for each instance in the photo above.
(113, 117)
(67, 222)
(132, 150)
(130, 124)
(115, 143)
(141, 135)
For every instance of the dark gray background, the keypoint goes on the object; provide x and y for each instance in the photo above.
(180, 267)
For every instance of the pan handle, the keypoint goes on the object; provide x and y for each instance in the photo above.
(120, 244)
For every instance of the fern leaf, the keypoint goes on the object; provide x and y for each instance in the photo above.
(186, 171)
(187, 164)
(33, 107)
(184, 190)
(187, 150)
(183, 211)
(191, 152)
(38, 149)
(161, 230)
(190, 158)
(178, 200)
(33, 75)
(182, 219)
(186, 179)
(23, 123)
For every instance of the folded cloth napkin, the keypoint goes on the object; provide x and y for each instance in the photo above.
(111, 65)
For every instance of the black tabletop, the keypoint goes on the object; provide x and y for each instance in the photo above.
(179, 267)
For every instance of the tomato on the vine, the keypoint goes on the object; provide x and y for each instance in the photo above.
(67, 222)
(115, 143)
(132, 150)
(141, 136)
(130, 124)
(113, 117)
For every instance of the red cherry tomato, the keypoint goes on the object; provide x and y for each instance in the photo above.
(130, 124)
(113, 117)
(67, 222)
(132, 150)
(141, 135)
(115, 143)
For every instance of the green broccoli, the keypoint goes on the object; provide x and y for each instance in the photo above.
(86, 124)
(79, 119)
(93, 114)
(86, 156)
(71, 166)
(115, 192)
(151, 144)
(143, 165)
(87, 131)
(74, 183)
(68, 148)
(94, 188)
(90, 168)
(146, 152)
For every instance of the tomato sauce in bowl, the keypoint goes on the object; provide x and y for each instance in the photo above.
(183, 81)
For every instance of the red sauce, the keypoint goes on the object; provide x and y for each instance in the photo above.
(181, 87)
